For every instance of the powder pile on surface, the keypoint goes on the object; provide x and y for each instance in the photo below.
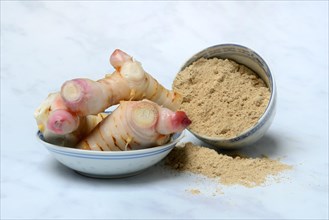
(221, 97)
(249, 172)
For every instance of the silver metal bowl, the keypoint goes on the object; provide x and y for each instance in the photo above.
(252, 60)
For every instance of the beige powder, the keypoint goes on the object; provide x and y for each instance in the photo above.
(194, 191)
(249, 172)
(221, 97)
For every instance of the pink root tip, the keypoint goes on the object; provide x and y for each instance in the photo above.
(180, 119)
(119, 57)
(62, 122)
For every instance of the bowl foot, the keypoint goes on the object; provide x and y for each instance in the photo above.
(109, 176)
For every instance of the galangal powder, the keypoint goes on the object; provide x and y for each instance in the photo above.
(249, 172)
(221, 97)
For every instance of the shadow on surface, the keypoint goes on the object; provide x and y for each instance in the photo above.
(267, 146)
(153, 174)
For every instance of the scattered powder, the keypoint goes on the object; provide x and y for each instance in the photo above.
(221, 97)
(249, 172)
(219, 191)
(194, 191)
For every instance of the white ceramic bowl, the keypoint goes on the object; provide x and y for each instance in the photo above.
(255, 62)
(109, 164)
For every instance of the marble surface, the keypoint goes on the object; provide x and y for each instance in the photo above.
(46, 43)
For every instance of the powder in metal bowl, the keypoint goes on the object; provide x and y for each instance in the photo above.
(221, 97)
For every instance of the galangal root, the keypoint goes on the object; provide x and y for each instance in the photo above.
(134, 124)
(60, 126)
(128, 82)
(68, 116)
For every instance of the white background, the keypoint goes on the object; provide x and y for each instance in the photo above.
(44, 44)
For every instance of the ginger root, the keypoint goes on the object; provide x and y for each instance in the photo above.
(61, 127)
(68, 116)
(135, 125)
(128, 82)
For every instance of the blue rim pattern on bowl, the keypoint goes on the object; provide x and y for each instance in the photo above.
(111, 155)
